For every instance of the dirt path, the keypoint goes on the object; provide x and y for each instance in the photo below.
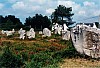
(80, 63)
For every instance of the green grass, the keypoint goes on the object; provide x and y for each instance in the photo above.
(39, 52)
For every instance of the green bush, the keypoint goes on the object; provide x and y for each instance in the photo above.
(19, 46)
(9, 60)
(40, 60)
(24, 56)
(68, 52)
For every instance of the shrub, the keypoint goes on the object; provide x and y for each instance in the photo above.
(9, 60)
(20, 46)
(24, 56)
(68, 52)
(40, 60)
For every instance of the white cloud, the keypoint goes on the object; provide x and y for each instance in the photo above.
(86, 3)
(49, 11)
(38, 1)
(81, 12)
(72, 4)
(97, 12)
(88, 9)
(24, 8)
(12, 1)
(19, 5)
(66, 3)
(1, 5)
(35, 8)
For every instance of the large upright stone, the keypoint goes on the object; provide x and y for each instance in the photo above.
(66, 35)
(31, 33)
(40, 32)
(86, 40)
(3, 32)
(55, 26)
(94, 26)
(22, 34)
(65, 27)
(58, 30)
(46, 32)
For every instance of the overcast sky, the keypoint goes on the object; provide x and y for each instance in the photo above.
(24, 8)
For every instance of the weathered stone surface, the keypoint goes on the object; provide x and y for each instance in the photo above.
(46, 32)
(66, 35)
(31, 33)
(86, 40)
(22, 33)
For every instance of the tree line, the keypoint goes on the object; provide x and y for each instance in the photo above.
(9, 22)
(38, 21)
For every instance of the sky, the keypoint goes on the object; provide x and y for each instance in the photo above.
(84, 10)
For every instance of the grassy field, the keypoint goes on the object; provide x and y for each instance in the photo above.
(79, 63)
(47, 52)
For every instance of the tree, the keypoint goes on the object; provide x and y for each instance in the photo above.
(62, 13)
(1, 21)
(38, 22)
(9, 22)
(97, 24)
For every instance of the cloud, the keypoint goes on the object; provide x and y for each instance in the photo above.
(50, 10)
(88, 9)
(76, 8)
(39, 1)
(24, 8)
(35, 7)
(12, 1)
(81, 12)
(97, 12)
(1, 5)
(86, 3)
(19, 5)
(72, 4)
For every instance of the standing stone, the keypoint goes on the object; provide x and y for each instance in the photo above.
(94, 26)
(66, 35)
(58, 30)
(54, 26)
(46, 32)
(3, 32)
(65, 27)
(8, 33)
(31, 33)
(22, 33)
(13, 30)
(40, 32)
